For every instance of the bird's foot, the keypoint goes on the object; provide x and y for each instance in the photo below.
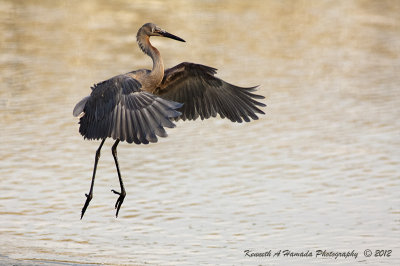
(120, 199)
(88, 199)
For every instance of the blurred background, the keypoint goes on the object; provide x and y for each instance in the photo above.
(319, 171)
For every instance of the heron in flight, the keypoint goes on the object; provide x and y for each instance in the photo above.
(137, 106)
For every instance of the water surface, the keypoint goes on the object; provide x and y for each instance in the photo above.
(319, 171)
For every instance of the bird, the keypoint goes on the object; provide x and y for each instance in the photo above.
(136, 106)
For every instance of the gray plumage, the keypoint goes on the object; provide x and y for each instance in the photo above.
(205, 95)
(136, 107)
(119, 109)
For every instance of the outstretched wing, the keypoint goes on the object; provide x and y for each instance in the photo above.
(117, 108)
(205, 95)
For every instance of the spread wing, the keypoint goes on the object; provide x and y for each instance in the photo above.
(205, 95)
(117, 108)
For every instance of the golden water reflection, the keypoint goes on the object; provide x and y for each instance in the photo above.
(320, 169)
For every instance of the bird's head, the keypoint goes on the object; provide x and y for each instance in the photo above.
(151, 29)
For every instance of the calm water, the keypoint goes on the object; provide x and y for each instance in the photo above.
(319, 171)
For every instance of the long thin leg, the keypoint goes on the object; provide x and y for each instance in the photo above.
(121, 194)
(90, 195)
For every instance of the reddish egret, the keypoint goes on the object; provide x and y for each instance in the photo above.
(136, 106)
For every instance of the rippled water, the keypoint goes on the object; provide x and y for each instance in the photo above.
(319, 171)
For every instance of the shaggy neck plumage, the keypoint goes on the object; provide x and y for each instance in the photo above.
(143, 41)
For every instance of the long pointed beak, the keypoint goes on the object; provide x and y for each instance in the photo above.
(171, 36)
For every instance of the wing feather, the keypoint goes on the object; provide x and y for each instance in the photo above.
(118, 108)
(204, 95)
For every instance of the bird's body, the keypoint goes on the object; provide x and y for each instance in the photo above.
(136, 106)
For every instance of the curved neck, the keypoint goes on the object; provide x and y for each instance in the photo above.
(155, 76)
